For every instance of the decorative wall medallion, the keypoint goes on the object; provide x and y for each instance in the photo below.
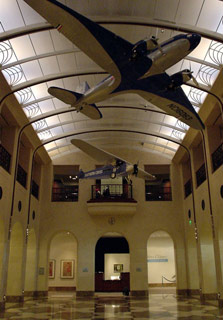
(203, 204)
(1, 192)
(111, 220)
(20, 205)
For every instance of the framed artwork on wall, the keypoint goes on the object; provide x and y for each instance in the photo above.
(118, 267)
(52, 264)
(67, 269)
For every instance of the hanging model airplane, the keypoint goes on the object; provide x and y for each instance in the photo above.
(134, 68)
(114, 167)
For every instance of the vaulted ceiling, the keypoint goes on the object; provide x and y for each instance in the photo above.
(34, 56)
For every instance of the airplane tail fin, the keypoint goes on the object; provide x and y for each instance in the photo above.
(71, 97)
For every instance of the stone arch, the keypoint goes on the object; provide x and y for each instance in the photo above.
(2, 243)
(220, 237)
(161, 259)
(15, 265)
(63, 253)
(31, 264)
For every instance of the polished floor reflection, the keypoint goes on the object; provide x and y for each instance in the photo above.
(61, 306)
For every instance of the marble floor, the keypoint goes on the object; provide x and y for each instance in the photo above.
(63, 306)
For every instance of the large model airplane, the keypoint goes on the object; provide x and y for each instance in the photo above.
(114, 167)
(134, 68)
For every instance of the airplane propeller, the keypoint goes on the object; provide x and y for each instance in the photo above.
(189, 73)
(135, 169)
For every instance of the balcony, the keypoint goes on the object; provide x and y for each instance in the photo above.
(35, 189)
(201, 175)
(158, 193)
(187, 188)
(65, 194)
(217, 158)
(112, 199)
(5, 158)
(21, 176)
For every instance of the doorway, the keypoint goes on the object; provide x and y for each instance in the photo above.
(112, 263)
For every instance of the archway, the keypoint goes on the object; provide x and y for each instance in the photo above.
(14, 279)
(112, 263)
(220, 235)
(2, 234)
(62, 262)
(161, 260)
(31, 267)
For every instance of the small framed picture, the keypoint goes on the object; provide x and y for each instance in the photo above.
(118, 267)
(67, 269)
(52, 264)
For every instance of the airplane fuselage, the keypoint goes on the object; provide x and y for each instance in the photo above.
(108, 171)
(135, 75)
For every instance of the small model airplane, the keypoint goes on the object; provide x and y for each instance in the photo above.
(134, 68)
(114, 167)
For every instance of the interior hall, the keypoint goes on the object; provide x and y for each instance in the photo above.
(111, 203)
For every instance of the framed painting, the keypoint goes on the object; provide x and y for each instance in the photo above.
(52, 264)
(118, 267)
(67, 269)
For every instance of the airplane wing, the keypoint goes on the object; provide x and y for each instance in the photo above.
(145, 175)
(174, 102)
(106, 157)
(103, 46)
(94, 152)
(140, 172)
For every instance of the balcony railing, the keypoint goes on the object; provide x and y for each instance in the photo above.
(158, 193)
(187, 188)
(111, 192)
(217, 157)
(201, 175)
(35, 189)
(65, 194)
(5, 158)
(21, 176)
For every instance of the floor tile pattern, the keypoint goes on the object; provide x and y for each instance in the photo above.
(155, 307)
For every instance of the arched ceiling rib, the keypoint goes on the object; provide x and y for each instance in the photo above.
(49, 58)
(135, 21)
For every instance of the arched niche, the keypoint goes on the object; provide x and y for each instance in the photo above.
(2, 241)
(161, 260)
(14, 279)
(112, 263)
(31, 261)
(62, 262)
(220, 236)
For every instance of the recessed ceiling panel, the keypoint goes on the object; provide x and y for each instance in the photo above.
(67, 62)
(28, 15)
(188, 11)
(166, 10)
(10, 16)
(49, 66)
(213, 10)
(19, 44)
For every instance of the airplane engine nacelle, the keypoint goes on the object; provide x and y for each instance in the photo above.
(151, 43)
(144, 46)
(180, 78)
